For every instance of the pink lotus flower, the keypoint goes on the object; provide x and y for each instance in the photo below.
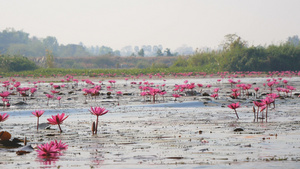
(98, 111)
(176, 96)
(59, 145)
(57, 119)
(4, 94)
(216, 90)
(49, 96)
(267, 101)
(3, 117)
(215, 95)
(48, 149)
(259, 105)
(38, 114)
(58, 98)
(234, 106)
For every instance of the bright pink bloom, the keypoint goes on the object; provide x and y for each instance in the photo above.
(59, 145)
(38, 113)
(215, 95)
(57, 119)
(98, 111)
(48, 149)
(3, 117)
(234, 106)
(49, 96)
(4, 94)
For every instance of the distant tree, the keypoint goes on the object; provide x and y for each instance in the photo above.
(294, 40)
(231, 40)
(141, 52)
(159, 52)
(155, 49)
(126, 51)
(104, 50)
(117, 53)
(184, 50)
(168, 52)
(51, 43)
(136, 49)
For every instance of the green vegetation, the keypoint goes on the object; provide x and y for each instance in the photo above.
(15, 63)
(14, 42)
(237, 56)
(16, 47)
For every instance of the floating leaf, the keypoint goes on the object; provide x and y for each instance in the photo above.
(4, 135)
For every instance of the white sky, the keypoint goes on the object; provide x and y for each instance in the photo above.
(171, 23)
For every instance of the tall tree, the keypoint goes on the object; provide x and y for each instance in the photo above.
(141, 52)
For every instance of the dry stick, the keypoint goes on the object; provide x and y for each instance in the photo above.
(253, 108)
(93, 128)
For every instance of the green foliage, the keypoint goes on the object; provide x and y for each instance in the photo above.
(168, 52)
(237, 56)
(159, 52)
(16, 63)
(141, 53)
(180, 62)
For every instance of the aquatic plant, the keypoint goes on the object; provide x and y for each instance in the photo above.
(38, 114)
(57, 120)
(49, 96)
(98, 111)
(176, 96)
(267, 101)
(50, 152)
(234, 106)
(47, 149)
(3, 117)
(58, 98)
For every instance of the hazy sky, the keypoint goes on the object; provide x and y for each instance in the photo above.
(171, 23)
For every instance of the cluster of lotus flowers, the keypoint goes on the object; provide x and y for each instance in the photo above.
(238, 89)
(50, 151)
(263, 104)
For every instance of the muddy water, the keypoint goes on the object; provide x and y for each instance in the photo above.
(193, 132)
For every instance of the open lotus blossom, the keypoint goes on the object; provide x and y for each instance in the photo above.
(3, 117)
(98, 111)
(258, 105)
(49, 96)
(57, 119)
(215, 95)
(60, 145)
(176, 96)
(267, 101)
(38, 114)
(48, 149)
(234, 106)
(50, 152)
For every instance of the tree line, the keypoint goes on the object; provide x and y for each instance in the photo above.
(14, 42)
(236, 55)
